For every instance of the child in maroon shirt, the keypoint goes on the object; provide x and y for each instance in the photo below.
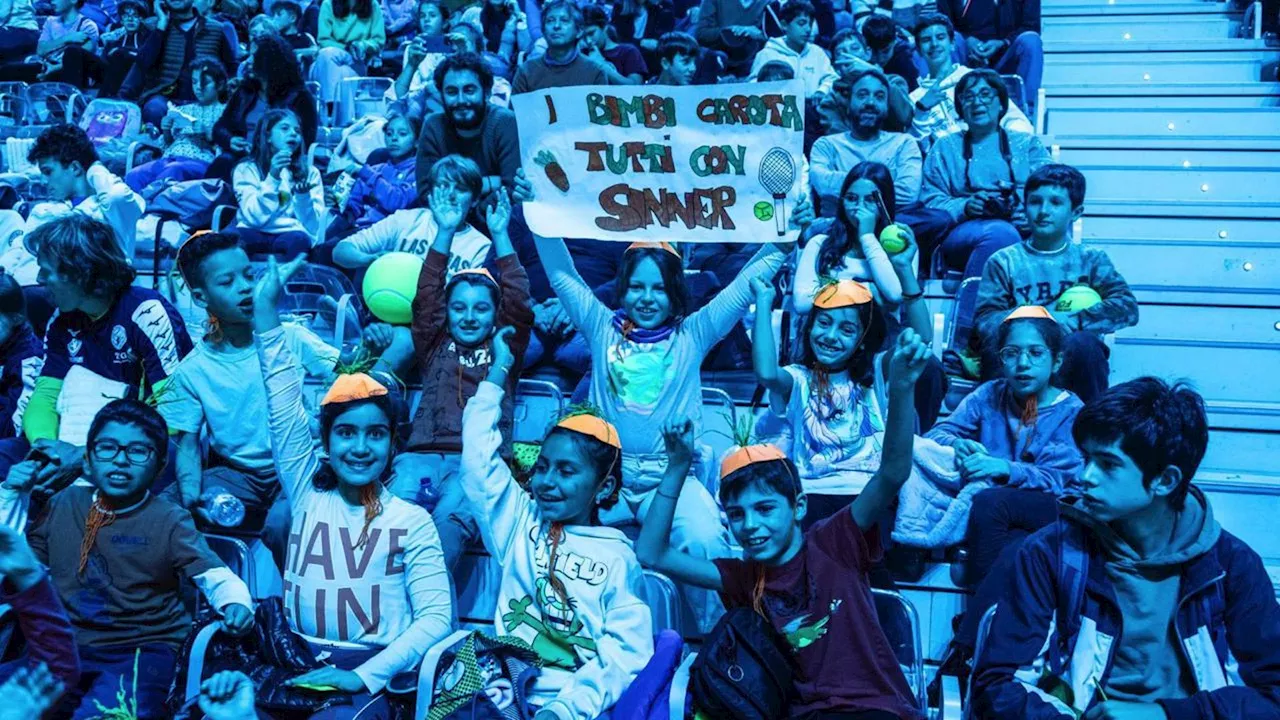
(811, 586)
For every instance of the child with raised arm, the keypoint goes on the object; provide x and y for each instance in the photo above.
(570, 588)
(364, 579)
(812, 586)
(454, 320)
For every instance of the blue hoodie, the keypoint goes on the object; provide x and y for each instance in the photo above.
(1041, 457)
(21, 358)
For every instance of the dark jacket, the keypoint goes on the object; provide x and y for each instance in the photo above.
(163, 64)
(662, 20)
(992, 20)
(1226, 620)
(496, 150)
(233, 121)
(44, 624)
(21, 357)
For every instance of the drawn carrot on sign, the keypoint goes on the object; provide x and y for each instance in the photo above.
(552, 168)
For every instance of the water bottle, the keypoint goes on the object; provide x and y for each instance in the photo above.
(286, 186)
(224, 509)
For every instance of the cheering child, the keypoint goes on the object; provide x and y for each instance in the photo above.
(570, 588)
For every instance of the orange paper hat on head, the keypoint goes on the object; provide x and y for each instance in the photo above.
(477, 271)
(1028, 312)
(846, 293)
(655, 246)
(355, 386)
(745, 456)
(592, 426)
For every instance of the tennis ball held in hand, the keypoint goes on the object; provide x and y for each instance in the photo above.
(1077, 298)
(892, 240)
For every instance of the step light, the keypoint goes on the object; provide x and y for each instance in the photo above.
(1172, 126)
(1127, 36)
(1204, 187)
(1248, 267)
(1186, 163)
(1222, 234)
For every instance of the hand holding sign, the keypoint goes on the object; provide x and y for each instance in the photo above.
(720, 163)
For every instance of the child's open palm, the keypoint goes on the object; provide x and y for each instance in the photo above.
(29, 692)
(266, 294)
(498, 215)
(16, 557)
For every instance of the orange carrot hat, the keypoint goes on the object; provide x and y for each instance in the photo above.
(592, 426)
(352, 387)
(477, 271)
(748, 455)
(846, 293)
(654, 246)
(1028, 312)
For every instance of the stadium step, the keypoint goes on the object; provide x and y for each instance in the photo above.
(1147, 10)
(1227, 95)
(1182, 341)
(1185, 28)
(1197, 273)
(1163, 122)
(1181, 176)
(1050, 6)
(1081, 67)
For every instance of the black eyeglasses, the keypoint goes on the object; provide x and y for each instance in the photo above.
(1010, 354)
(985, 96)
(108, 450)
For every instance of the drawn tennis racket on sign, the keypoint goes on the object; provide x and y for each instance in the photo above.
(778, 176)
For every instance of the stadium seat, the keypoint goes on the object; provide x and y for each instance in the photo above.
(719, 433)
(361, 96)
(664, 602)
(538, 404)
(50, 103)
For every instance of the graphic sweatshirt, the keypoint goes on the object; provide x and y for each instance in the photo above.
(1041, 457)
(595, 645)
(639, 386)
(391, 592)
(1023, 275)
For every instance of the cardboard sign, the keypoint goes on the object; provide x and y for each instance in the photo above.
(703, 163)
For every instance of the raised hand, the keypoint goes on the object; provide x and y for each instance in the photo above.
(503, 358)
(29, 692)
(677, 437)
(522, 189)
(910, 356)
(498, 216)
(266, 293)
(764, 292)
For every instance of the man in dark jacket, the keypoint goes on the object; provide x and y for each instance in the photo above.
(1136, 604)
(1004, 36)
(162, 70)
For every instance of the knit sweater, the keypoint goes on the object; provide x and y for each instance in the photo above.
(541, 73)
(450, 371)
(391, 592)
(496, 149)
(834, 156)
(640, 386)
(367, 35)
(716, 15)
(949, 181)
(1022, 275)
(594, 645)
(1042, 456)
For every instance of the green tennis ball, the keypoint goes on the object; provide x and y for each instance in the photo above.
(763, 210)
(892, 240)
(389, 286)
(1076, 298)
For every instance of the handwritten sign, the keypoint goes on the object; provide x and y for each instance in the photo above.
(706, 163)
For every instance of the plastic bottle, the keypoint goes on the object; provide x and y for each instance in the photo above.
(226, 510)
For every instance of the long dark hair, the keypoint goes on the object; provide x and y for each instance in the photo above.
(362, 8)
(493, 20)
(862, 363)
(260, 153)
(275, 67)
(843, 237)
(672, 270)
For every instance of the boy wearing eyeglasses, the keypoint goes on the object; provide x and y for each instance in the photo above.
(117, 556)
(1076, 283)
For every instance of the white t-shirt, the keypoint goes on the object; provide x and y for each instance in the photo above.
(412, 231)
(225, 392)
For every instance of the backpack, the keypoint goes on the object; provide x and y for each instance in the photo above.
(192, 203)
(744, 670)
